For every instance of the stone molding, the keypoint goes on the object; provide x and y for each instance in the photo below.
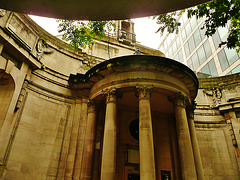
(2, 12)
(144, 91)
(42, 48)
(22, 94)
(78, 101)
(216, 93)
(91, 106)
(137, 69)
(178, 99)
(85, 99)
(190, 110)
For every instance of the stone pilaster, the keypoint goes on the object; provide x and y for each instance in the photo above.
(146, 147)
(80, 139)
(195, 147)
(87, 161)
(184, 141)
(108, 170)
(73, 140)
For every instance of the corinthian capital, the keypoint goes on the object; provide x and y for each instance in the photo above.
(144, 91)
(178, 99)
(91, 106)
(111, 94)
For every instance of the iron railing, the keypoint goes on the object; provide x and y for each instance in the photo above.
(126, 35)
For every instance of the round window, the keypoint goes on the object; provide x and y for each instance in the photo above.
(134, 128)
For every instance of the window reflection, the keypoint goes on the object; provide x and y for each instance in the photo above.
(236, 70)
(223, 60)
(231, 54)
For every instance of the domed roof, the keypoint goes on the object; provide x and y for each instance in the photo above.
(133, 63)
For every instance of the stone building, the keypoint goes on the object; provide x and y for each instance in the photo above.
(128, 117)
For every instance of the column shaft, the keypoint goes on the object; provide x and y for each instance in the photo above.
(146, 147)
(184, 141)
(87, 161)
(108, 168)
(195, 147)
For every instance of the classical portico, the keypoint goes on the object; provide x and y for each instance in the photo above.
(153, 92)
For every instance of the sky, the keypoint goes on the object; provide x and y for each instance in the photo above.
(145, 29)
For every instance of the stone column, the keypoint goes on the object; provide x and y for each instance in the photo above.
(87, 161)
(195, 147)
(146, 147)
(108, 168)
(184, 141)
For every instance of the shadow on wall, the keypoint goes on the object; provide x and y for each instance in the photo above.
(7, 88)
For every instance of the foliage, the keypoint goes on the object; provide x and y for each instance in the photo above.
(83, 33)
(89, 62)
(168, 22)
(217, 13)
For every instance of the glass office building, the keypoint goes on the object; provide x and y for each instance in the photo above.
(199, 52)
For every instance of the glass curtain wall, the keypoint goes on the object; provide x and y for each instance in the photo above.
(202, 54)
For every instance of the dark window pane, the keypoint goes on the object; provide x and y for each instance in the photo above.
(212, 67)
(207, 49)
(223, 60)
(195, 61)
(231, 55)
(201, 55)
